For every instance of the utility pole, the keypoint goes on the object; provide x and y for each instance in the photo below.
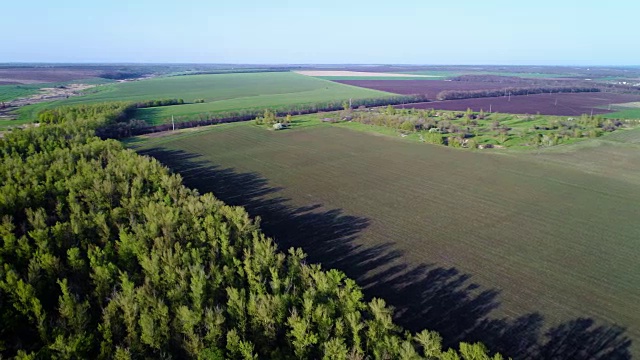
(350, 103)
(173, 124)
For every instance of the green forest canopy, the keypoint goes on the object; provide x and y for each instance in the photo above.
(106, 255)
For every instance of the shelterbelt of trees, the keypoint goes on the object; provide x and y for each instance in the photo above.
(105, 254)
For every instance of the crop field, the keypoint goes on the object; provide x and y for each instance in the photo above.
(357, 74)
(527, 75)
(224, 92)
(626, 113)
(10, 92)
(627, 110)
(492, 246)
(569, 104)
(428, 88)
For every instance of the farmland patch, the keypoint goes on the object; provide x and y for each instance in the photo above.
(429, 88)
(224, 92)
(364, 74)
(416, 224)
(569, 104)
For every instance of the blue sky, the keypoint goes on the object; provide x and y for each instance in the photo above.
(251, 31)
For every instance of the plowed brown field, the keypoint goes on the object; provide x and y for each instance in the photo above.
(570, 104)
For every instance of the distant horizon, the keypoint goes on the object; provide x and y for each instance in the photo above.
(308, 64)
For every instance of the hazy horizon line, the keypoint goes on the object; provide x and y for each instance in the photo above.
(302, 64)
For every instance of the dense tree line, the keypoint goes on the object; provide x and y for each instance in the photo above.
(120, 75)
(105, 254)
(157, 103)
(468, 94)
(94, 115)
(100, 114)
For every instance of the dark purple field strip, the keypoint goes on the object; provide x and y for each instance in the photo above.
(45, 75)
(429, 87)
(569, 104)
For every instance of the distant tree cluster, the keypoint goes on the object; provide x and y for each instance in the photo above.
(95, 115)
(120, 75)
(268, 118)
(105, 254)
(157, 103)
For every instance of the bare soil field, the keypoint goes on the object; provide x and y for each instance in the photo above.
(428, 88)
(24, 75)
(569, 104)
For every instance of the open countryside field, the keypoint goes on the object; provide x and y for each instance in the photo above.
(527, 75)
(569, 104)
(627, 111)
(545, 243)
(359, 75)
(224, 92)
(428, 88)
(10, 92)
(363, 74)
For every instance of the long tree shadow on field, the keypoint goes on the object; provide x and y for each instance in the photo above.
(426, 296)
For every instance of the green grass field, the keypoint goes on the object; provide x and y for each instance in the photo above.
(10, 92)
(626, 112)
(221, 92)
(551, 232)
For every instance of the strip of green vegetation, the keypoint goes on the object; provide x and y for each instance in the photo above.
(10, 92)
(223, 87)
(219, 93)
(162, 115)
(625, 113)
